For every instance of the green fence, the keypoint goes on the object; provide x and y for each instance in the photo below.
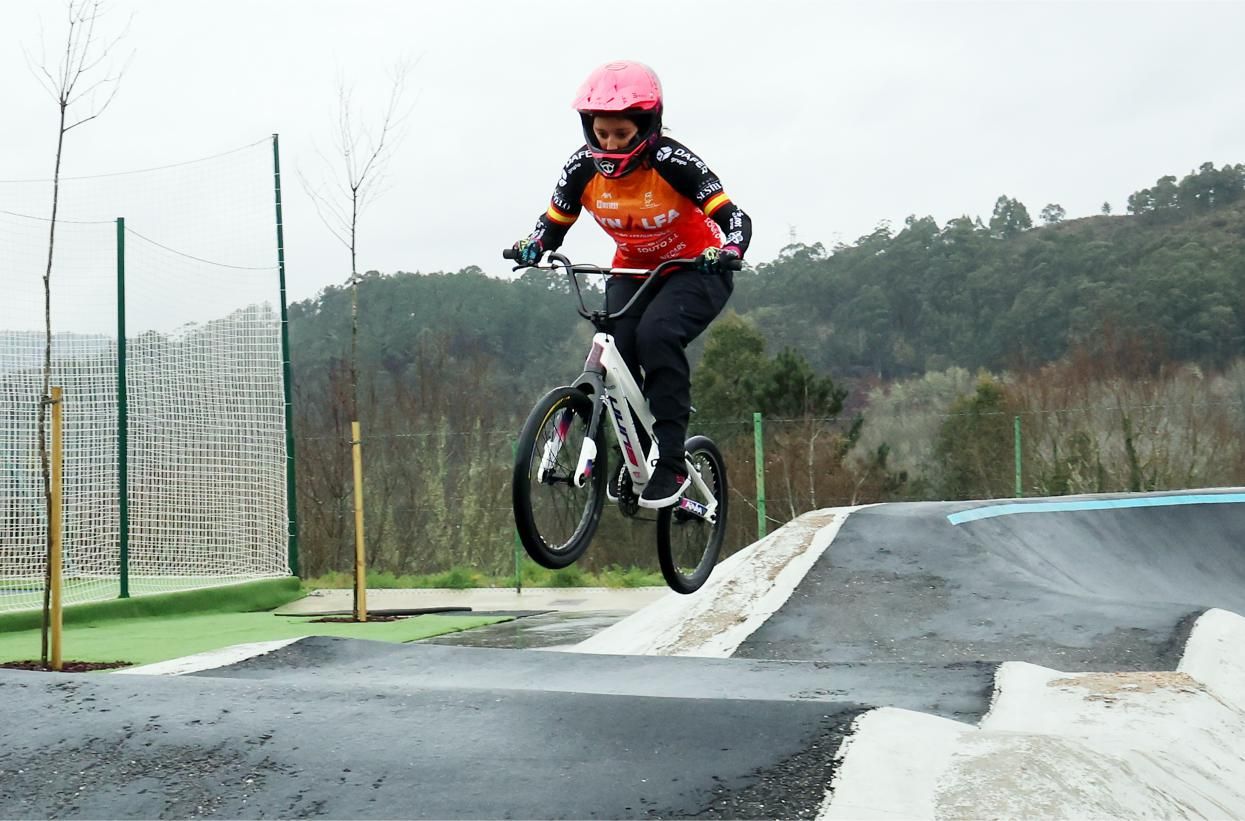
(167, 305)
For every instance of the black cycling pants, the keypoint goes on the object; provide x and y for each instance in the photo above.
(652, 336)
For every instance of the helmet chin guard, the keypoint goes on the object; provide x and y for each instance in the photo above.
(619, 163)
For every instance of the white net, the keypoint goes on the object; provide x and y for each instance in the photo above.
(205, 499)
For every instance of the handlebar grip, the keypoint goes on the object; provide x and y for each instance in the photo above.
(510, 253)
(735, 264)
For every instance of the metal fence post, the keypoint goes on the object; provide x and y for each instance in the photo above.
(760, 466)
(1020, 490)
(518, 546)
(123, 422)
(291, 486)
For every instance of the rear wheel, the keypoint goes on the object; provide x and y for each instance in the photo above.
(556, 519)
(689, 538)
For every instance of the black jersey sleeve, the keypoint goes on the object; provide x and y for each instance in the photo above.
(564, 205)
(691, 177)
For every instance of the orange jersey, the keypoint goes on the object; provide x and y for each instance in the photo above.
(649, 220)
(671, 207)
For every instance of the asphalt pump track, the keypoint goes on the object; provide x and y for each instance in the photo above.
(734, 702)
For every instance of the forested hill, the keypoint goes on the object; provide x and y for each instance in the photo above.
(971, 294)
(895, 302)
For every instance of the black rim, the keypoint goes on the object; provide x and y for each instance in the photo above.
(692, 537)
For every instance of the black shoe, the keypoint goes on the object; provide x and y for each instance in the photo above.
(665, 488)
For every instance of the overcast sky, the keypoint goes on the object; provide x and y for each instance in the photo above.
(822, 118)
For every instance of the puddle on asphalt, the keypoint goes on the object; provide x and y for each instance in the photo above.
(553, 629)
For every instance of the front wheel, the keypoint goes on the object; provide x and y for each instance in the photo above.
(556, 514)
(690, 532)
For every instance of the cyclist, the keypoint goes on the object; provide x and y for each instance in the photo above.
(657, 201)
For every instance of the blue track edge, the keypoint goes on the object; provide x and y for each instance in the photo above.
(991, 511)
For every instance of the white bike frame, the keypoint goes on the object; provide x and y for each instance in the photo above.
(624, 405)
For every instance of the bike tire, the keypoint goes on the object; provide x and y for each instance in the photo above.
(556, 520)
(682, 537)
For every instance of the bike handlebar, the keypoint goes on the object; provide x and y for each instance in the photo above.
(735, 264)
(557, 260)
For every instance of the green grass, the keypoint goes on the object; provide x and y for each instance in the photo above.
(262, 595)
(461, 578)
(146, 640)
(21, 594)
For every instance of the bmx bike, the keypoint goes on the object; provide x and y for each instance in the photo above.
(559, 485)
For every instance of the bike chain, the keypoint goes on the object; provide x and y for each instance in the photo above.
(628, 501)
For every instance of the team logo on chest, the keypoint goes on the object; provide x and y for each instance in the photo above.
(659, 220)
(656, 222)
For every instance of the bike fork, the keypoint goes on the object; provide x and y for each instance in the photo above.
(553, 446)
(707, 512)
(588, 451)
(586, 460)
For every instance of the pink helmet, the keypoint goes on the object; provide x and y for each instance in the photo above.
(627, 89)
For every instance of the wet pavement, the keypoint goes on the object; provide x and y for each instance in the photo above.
(361, 729)
(534, 631)
(490, 599)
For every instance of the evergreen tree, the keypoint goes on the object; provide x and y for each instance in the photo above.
(1053, 214)
(1010, 217)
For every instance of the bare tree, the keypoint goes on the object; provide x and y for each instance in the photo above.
(347, 190)
(83, 88)
(353, 179)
